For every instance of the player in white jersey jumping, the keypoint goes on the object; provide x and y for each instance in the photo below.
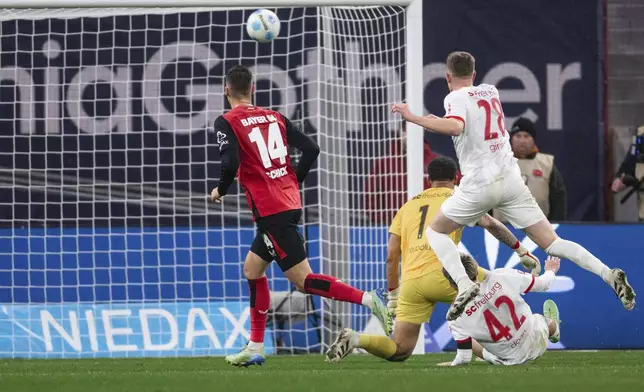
(491, 179)
(498, 325)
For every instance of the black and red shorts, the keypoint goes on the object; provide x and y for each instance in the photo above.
(278, 239)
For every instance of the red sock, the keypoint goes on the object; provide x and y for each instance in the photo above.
(260, 301)
(331, 287)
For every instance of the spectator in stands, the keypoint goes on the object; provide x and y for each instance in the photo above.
(538, 171)
(631, 172)
(385, 190)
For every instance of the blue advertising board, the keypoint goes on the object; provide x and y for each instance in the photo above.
(125, 330)
(70, 301)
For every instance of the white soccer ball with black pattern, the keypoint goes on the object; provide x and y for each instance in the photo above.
(263, 26)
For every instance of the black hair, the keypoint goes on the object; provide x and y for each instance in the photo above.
(442, 169)
(239, 81)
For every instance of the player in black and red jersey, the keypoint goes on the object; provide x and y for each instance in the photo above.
(253, 144)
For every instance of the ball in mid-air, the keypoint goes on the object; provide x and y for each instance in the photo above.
(263, 25)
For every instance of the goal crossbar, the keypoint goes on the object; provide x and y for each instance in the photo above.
(190, 3)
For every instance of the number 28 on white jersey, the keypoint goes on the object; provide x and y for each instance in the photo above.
(483, 149)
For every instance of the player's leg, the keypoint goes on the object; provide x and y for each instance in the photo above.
(331, 287)
(397, 348)
(416, 302)
(464, 208)
(551, 314)
(545, 237)
(477, 349)
(447, 252)
(523, 212)
(260, 297)
(286, 244)
(413, 310)
(255, 265)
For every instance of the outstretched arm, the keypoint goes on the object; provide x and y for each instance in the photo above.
(393, 276)
(544, 282)
(393, 262)
(463, 350)
(504, 235)
(445, 126)
(498, 230)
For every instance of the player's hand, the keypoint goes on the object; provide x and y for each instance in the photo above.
(618, 184)
(529, 261)
(402, 109)
(392, 302)
(552, 264)
(214, 196)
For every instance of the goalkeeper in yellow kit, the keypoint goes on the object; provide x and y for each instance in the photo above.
(422, 283)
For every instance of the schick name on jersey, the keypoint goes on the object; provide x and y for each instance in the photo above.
(277, 173)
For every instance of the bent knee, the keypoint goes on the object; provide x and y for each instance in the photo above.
(254, 267)
(252, 273)
(403, 351)
(400, 355)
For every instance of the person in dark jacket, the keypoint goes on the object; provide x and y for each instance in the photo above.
(631, 172)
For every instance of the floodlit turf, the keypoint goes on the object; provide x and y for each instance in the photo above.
(619, 371)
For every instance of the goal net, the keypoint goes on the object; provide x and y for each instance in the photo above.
(109, 244)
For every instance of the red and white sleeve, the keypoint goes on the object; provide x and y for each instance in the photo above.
(455, 107)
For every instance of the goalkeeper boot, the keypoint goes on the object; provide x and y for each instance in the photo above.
(551, 312)
(344, 343)
(619, 283)
(247, 357)
(458, 306)
(380, 311)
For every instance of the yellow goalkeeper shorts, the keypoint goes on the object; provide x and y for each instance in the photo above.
(417, 297)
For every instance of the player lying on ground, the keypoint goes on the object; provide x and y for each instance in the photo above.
(253, 141)
(422, 283)
(498, 325)
(491, 179)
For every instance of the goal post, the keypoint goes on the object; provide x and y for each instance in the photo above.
(107, 156)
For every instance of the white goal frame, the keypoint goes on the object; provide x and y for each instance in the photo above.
(414, 62)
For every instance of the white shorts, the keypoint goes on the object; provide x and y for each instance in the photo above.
(509, 195)
(533, 348)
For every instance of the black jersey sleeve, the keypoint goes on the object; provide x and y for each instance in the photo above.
(229, 153)
(308, 146)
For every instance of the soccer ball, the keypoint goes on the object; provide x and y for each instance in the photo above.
(263, 25)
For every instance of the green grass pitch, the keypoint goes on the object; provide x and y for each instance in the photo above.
(603, 371)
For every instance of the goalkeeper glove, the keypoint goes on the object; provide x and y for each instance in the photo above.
(529, 261)
(392, 302)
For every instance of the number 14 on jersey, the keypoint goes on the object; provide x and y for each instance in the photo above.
(274, 149)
